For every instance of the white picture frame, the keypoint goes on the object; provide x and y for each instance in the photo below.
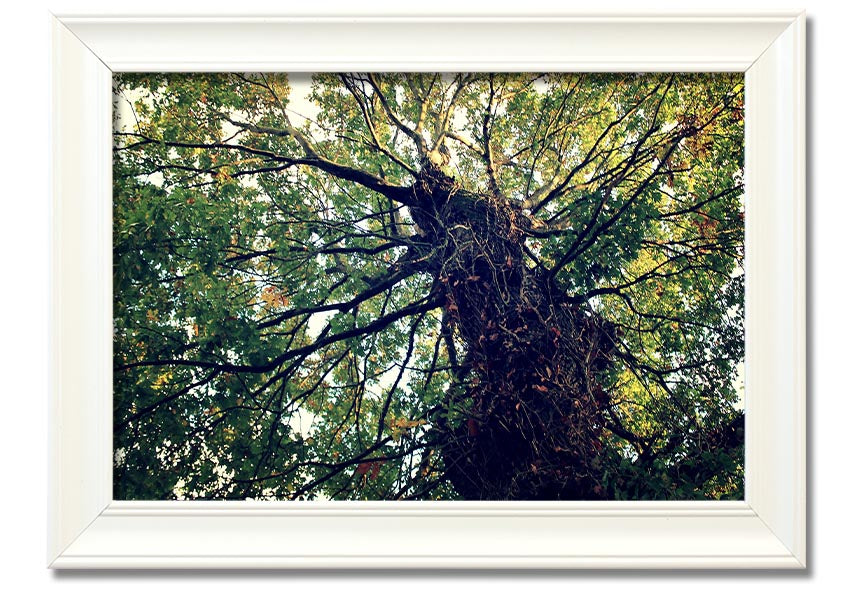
(88, 529)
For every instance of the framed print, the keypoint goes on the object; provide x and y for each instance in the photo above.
(411, 314)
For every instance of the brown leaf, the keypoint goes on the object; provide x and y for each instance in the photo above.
(375, 469)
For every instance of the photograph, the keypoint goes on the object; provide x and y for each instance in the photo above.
(428, 286)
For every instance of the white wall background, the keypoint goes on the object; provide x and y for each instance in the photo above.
(24, 118)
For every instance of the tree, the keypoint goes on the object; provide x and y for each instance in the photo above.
(471, 286)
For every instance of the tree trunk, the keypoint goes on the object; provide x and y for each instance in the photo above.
(524, 420)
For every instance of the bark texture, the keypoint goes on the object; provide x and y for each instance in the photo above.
(533, 410)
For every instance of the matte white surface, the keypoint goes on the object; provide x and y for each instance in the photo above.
(775, 292)
(81, 385)
(584, 43)
(768, 530)
(481, 535)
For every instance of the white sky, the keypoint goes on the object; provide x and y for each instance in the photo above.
(300, 109)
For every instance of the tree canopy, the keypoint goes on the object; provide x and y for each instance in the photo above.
(428, 286)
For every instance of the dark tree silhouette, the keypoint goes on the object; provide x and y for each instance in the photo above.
(469, 286)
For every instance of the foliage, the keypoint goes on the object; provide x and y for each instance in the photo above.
(431, 287)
